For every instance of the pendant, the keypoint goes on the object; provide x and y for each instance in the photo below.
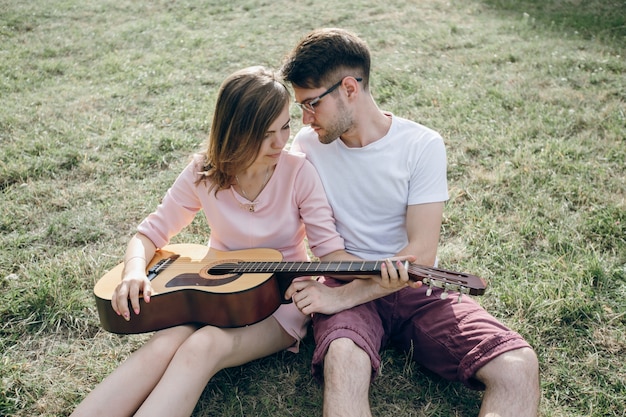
(247, 207)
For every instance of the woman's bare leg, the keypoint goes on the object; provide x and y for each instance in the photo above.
(203, 354)
(124, 390)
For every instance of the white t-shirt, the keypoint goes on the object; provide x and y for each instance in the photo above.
(369, 188)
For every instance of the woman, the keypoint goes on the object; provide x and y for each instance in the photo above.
(253, 194)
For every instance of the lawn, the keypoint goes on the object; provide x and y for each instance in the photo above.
(104, 101)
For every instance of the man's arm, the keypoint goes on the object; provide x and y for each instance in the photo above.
(423, 223)
(423, 230)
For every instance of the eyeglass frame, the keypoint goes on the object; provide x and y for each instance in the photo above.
(309, 104)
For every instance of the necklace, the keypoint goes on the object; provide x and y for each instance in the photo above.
(251, 205)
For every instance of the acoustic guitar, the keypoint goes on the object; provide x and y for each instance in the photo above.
(194, 284)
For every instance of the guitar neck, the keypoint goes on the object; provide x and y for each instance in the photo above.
(308, 268)
(442, 278)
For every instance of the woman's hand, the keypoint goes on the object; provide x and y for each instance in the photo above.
(135, 283)
(131, 288)
(311, 297)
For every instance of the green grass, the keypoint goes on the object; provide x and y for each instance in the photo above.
(102, 103)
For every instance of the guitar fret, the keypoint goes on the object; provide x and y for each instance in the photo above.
(430, 276)
(308, 267)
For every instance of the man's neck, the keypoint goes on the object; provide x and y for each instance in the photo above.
(369, 128)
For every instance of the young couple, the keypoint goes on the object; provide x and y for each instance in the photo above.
(362, 184)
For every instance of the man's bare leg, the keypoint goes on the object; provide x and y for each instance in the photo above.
(512, 385)
(347, 371)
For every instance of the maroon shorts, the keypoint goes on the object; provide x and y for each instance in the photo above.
(452, 339)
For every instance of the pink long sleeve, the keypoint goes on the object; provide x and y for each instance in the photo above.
(292, 205)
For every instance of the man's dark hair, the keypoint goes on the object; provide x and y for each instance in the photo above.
(324, 56)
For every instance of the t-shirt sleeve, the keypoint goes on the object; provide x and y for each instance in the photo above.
(429, 183)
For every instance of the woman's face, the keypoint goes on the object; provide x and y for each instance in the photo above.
(275, 139)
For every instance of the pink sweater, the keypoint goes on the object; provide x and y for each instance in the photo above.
(292, 206)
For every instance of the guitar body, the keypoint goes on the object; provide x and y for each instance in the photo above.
(184, 292)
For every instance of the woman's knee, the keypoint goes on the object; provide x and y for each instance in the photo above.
(206, 340)
(164, 343)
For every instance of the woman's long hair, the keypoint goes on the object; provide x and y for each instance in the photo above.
(248, 102)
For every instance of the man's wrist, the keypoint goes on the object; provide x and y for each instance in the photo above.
(361, 291)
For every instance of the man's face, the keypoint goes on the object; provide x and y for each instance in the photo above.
(328, 117)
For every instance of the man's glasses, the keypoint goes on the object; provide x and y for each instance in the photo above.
(309, 105)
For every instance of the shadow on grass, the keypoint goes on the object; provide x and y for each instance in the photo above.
(282, 385)
(603, 20)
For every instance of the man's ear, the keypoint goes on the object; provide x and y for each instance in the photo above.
(351, 85)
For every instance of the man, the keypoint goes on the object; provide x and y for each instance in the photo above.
(386, 181)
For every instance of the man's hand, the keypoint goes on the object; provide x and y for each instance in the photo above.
(311, 296)
(394, 274)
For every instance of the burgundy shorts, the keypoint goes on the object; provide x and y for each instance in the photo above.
(452, 339)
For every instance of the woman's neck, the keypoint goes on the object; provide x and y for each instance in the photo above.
(251, 182)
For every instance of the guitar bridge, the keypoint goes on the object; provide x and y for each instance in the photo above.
(158, 267)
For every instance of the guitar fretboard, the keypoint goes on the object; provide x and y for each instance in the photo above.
(448, 280)
(334, 267)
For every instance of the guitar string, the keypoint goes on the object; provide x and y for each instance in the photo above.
(320, 267)
(431, 278)
(251, 267)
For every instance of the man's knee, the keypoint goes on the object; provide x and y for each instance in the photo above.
(344, 350)
(523, 360)
(346, 361)
(517, 366)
